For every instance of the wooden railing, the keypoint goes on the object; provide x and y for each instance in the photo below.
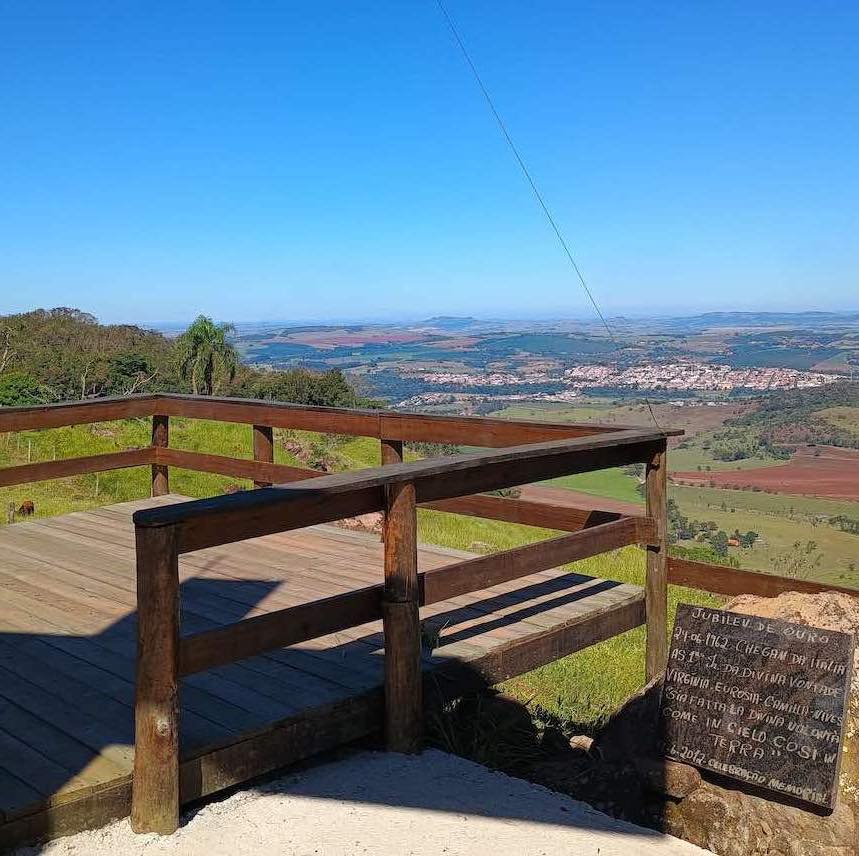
(165, 532)
(521, 452)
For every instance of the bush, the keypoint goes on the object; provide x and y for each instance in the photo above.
(18, 389)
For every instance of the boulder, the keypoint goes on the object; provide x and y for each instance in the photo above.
(371, 522)
(727, 819)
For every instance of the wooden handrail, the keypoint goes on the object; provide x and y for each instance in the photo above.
(234, 467)
(520, 453)
(223, 519)
(402, 426)
(37, 417)
(295, 624)
(65, 467)
(486, 571)
(722, 579)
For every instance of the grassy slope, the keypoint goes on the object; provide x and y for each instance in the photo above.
(781, 521)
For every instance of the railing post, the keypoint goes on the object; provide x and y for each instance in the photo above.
(155, 783)
(403, 701)
(263, 448)
(160, 440)
(656, 584)
(392, 451)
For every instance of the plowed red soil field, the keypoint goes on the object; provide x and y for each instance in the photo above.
(824, 471)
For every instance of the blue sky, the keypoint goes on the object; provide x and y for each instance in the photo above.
(334, 160)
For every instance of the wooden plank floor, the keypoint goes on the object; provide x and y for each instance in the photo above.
(67, 642)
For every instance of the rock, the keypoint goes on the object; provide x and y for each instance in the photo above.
(724, 817)
(632, 730)
(371, 522)
(732, 823)
(582, 743)
(480, 547)
(670, 778)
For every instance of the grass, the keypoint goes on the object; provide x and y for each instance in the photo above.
(780, 521)
(584, 687)
(846, 418)
(613, 483)
(692, 456)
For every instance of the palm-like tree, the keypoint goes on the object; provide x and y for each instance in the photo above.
(203, 351)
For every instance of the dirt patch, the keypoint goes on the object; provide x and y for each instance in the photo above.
(824, 471)
(563, 498)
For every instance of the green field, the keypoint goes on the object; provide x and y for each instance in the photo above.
(613, 483)
(692, 457)
(781, 521)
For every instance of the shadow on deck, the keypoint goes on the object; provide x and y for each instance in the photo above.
(67, 657)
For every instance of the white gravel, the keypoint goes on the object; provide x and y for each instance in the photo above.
(379, 804)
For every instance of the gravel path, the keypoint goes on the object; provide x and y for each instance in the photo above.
(379, 804)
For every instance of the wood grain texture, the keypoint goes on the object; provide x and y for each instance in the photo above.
(391, 451)
(403, 702)
(223, 519)
(155, 792)
(46, 470)
(720, 579)
(279, 629)
(525, 512)
(67, 651)
(656, 583)
(486, 571)
(235, 467)
(76, 412)
(263, 440)
(160, 440)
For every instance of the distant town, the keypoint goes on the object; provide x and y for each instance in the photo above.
(680, 376)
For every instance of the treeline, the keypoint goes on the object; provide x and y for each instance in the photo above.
(682, 528)
(63, 354)
(788, 418)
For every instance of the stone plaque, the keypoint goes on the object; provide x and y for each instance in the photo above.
(758, 699)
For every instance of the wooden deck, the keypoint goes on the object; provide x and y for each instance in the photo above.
(67, 653)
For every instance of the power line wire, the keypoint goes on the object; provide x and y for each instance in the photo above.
(526, 172)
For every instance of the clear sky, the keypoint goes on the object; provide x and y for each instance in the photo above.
(332, 160)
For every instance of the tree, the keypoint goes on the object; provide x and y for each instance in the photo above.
(204, 354)
(301, 386)
(719, 543)
(128, 373)
(18, 389)
(747, 539)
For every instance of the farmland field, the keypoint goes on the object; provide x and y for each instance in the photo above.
(824, 471)
(781, 521)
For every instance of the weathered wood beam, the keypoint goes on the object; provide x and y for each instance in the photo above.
(223, 519)
(155, 788)
(263, 448)
(720, 579)
(160, 440)
(525, 512)
(274, 414)
(401, 622)
(480, 431)
(75, 413)
(279, 629)
(235, 467)
(45, 470)
(475, 574)
(656, 583)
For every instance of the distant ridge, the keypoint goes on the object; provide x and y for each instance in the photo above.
(450, 322)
